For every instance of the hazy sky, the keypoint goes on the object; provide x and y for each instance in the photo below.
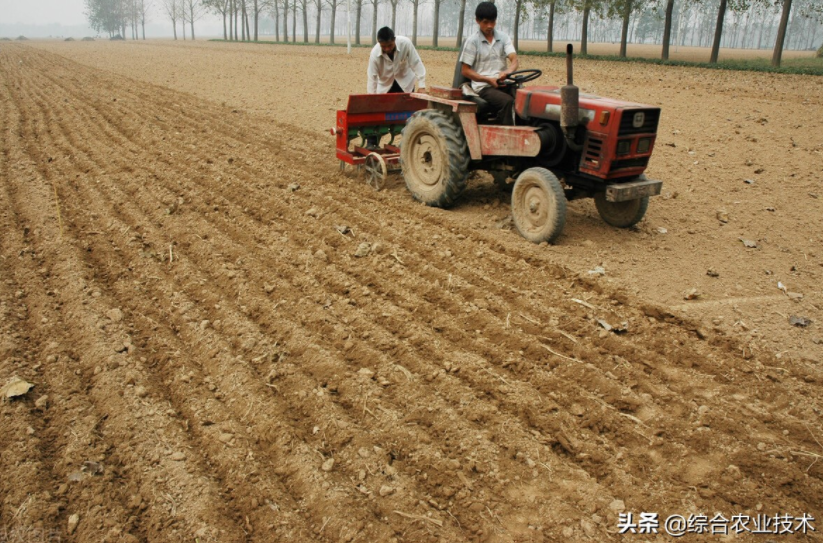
(65, 12)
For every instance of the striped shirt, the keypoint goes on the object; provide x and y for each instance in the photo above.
(487, 59)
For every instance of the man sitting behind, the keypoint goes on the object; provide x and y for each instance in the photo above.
(484, 62)
(394, 65)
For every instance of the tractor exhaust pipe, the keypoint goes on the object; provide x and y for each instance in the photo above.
(570, 103)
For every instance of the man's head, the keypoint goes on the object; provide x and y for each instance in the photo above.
(385, 37)
(486, 17)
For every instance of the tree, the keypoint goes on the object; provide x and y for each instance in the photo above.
(173, 11)
(586, 7)
(333, 6)
(286, 21)
(624, 10)
(718, 31)
(318, 4)
(781, 33)
(258, 7)
(394, 13)
(359, 12)
(294, 21)
(550, 26)
(143, 14)
(304, 8)
(108, 16)
(459, 24)
(667, 29)
(374, 4)
(193, 11)
(415, 3)
(518, 5)
(436, 23)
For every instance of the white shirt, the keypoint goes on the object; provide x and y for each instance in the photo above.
(406, 68)
(487, 59)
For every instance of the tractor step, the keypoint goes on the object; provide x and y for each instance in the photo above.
(633, 190)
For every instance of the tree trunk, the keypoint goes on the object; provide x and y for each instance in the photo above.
(436, 23)
(333, 16)
(317, 29)
(624, 32)
(414, 22)
(374, 24)
(276, 23)
(294, 21)
(718, 31)
(517, 6)
(781, 34)
(256, 19)
(305, 22)
(394, 14)
(667, 29)
(584, 35)
(550, 29)
(286, 21)
(359, 12)
(460, 24)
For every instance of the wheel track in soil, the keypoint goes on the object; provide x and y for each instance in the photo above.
(144, 205)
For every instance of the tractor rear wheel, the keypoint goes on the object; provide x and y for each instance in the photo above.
(538, 205)
(434, 158)
(621, 214)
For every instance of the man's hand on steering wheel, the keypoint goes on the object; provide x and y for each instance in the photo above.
(519, 77)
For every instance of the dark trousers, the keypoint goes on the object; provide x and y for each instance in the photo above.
(395, 87)
(500, 101)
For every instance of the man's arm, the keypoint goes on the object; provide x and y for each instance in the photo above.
(416, 64)
(371, 75)
(513, 63)
(470, 73)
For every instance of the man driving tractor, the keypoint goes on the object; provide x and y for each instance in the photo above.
(484, 61)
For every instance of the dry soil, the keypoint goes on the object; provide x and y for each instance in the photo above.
(212, 362)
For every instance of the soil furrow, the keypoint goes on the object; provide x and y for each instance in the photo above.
(462, 382)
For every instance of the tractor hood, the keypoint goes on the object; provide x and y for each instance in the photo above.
(544, 103)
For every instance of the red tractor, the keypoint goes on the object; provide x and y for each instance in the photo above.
(564, 146)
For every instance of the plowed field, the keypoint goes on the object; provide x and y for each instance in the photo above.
(212, 362)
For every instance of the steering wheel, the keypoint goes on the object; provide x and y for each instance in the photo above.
(522, 76)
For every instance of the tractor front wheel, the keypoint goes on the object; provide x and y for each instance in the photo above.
(434, 158)
(621, 214)
(538, 205)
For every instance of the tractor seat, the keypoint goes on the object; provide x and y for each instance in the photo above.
(484, 113)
